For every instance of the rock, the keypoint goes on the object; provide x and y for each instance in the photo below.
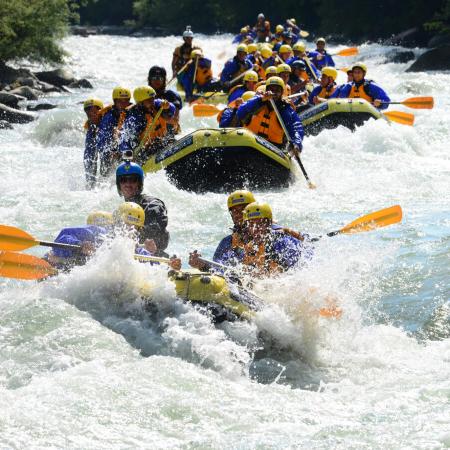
(397, 56)
(40, 107)
(4, 125)
(9, 74)
(82, 83)
(25, 91)
(438, 40)
(414, 37)
(10, 100)
(25, 81)
(47, 87)
(14, 115)
(57, 77)
(435, 59)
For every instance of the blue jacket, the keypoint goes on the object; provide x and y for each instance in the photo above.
(76, 236)
(105, 134)
(288, 114)
(135, 123)
(90, 144)
(226, 119)
(371, 89)
(308, 71)
(236, 94)
(187, 77)
(326, 61)
(232, 67)
(289, 251)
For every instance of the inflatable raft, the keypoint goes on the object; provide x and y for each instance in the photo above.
(222, 160)
(348, 112)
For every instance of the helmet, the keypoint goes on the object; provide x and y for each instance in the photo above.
(279, 29)
(261, 16)
(121, 93)
(330, 72)
(250, 75)
(130, 213)
(299, 47)
(283, 68)
(275, 81)
(266, 52)
(293, 21)
(241, 48)
(271, 70)
(188, 32)
(100, 218)
(244, 30)
(92, 102)
(360, 65)
(321, 39)
(252, 48)
(241, 197)
(248, 95)
(143, 93)
(257, 210)
(157, 71)
(129, 168)
(196, 53)
(298, 64)
(285, 49)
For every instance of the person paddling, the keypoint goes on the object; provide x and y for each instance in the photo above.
(182, 54)
(320, 57)
(326, 88)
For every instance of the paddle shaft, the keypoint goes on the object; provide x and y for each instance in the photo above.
(179, 72)
(143, 142)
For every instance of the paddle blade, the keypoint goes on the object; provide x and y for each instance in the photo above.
(304, 33)
(419, 102)
(400, 117)
(350, 51)
(382, 218)
(204, 110)
(24, 267)
(15, 239)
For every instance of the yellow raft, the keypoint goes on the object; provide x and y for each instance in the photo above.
(348, 112)
(222, 160)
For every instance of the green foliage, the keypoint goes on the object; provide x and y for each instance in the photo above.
(441, 20)
(32, 28)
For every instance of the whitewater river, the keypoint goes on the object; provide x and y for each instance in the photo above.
(81, 367)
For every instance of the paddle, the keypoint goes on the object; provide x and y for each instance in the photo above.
(297, 157)
(179, 72)
(350, 51)
(377, 219)
(24, 267)
(400, 117)
(147, 133)
(304, 33)
(308, 63)
(415, 102)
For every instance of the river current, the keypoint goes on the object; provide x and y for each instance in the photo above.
(82, 367)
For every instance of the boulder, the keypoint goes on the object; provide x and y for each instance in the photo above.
(82, 83)
(40, 107)
(9, 74)
(438, 40)
(14, 115)
(25, 81)
(414, 37)
(27, 92)
(398, 56)
(4, 125)
(57, 77)
(47, 87)
(435, 59)
(9, 99)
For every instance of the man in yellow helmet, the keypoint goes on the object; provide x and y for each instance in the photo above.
(235, 66)
(92, 108)
(244, 36)
(182, 54)
(227, 117)
(326, 88)
(319, 57)
(250, 81)
(145, 129)
(113, 117)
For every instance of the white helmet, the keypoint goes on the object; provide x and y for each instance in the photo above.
(261, 16)
(188, 32)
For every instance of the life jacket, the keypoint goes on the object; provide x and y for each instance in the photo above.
(287, 90)
(326, 92)
(265, 123)
(260, 259)
(159, 131)
(263, 28)
(203, 75)
(183, 52)
(236, 241)
(361, 91)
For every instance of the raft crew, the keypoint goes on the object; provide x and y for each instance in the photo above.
(259, 117)
(262, 29)
(300, 54)
(146, 127)
(113, 117)
(243, 36)
(362, 88)
(182, 54)
(326, 88)
(92, 108)
(285, 53)
(319, 57)
(228, 116)
(235, 66)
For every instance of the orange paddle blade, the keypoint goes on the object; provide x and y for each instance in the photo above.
(204, 110)
(382, 218)
(419, 102)
(400, 117)
(14, 239)
(24, 267)
(350, 51)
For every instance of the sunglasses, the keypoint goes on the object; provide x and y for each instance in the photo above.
(157, 78)
(129, 179)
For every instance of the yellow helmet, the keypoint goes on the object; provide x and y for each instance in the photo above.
(257, 210)
(285, 49)
(196, 53)
(241, 197)
(244, 30)
(248, 95)
(360, 65)
(321, 39)
(100, 218)
(130, 213)
(92, 102)
(266, 52)
(299, 47)
(275, 81)
(250, 75)
(330, 72)
(293, 21)
(283, 68)
(271, 70)
(279, 29)
(143, 93)
(252, 48)
(241, 48)
(121, 93)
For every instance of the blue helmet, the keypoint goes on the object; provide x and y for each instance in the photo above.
(129, 168)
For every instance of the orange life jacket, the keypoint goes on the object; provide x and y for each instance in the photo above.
(287, 90)
(159, 130)
(360, 92)
(326, 92)
(257, 258)
(265, 123)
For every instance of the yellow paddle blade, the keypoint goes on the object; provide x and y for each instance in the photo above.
(14, 239)
(350, 51)
(400, 117)
(24, 267)
(382, 218)
(204, 110)
(304, 33)
(419, 102)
